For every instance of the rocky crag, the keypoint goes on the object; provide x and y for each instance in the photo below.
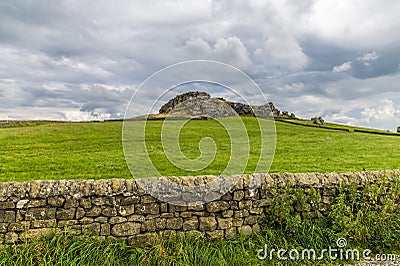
(201, 104)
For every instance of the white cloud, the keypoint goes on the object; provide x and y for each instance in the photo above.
(97, 115)
(69, 60)
(383, 115)
(357, 23)
(342, 68)
(283, 52)
(368, 57)
(291, 88)
(230, 50)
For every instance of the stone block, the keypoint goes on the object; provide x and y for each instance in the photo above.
(55, 201)
(93, 228)
(217, 206)
(65, 214)
(207, 223)
(224, 223)
(7, 216)
(7, 205)
(150, 208)
(40, 214)
(191, 224)
(174, 223)
(126, 229)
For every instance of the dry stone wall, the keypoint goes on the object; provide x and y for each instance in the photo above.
(119, 208)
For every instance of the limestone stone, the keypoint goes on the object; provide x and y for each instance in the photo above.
(7, 216)
(174, 208)
(65, 223)
(101, 219)
(93, 228)
(245, 230)
(149, 226)
(55, 201)
(163, 207)
(186, 214)
(16, 227)
(130, 200)
(136, 218)
(191, 224)
(198, 207)
(44, 223)
(117, 220)
(126, 210)
(215, 234)
(207, 223)
(22, 203)
(65, 214)
(174, 223)
(245, 204)
(71, 203)
(37, 233)
(126, 229)
(231, 233)
(238, 195)
(253, 219)
(7, 205)
(194, 233)
(80, 212)
(11, 238)
(95, 211)
(85, 203)
(224, 223)
(105, 229)
(150, 208)
(237, 222)
(147, 199)
(161, 223)
(86, 220)
(109, 212)
(142, 240)
(240, 213)
(40, 214)
(217, 206)
(227, 213)
(227, 197)
(3, 227)
(256, 228)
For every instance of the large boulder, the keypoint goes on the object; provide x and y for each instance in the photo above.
(318, 120)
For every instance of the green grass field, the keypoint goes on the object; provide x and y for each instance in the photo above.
(30, 150)
(94, 150)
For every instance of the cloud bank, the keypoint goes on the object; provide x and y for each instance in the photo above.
(72, 60)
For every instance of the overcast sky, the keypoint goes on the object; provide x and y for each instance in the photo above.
(78, 60)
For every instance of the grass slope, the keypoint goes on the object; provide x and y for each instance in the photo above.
(94, 150)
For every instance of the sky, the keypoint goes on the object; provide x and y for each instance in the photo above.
(83, 60)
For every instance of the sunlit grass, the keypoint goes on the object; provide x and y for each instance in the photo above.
(94, 150)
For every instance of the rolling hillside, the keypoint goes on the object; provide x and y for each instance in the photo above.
(93, 150)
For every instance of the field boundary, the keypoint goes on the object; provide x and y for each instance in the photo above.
(338, 127)
(119, 208)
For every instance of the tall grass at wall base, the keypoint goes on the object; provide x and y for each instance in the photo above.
(367, 218)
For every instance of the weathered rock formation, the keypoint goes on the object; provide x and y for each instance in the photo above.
(200, 104)
(318, 120)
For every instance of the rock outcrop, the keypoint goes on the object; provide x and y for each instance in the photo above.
(201, 104)
(318, 120)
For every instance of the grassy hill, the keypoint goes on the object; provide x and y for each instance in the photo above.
(50, 150)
